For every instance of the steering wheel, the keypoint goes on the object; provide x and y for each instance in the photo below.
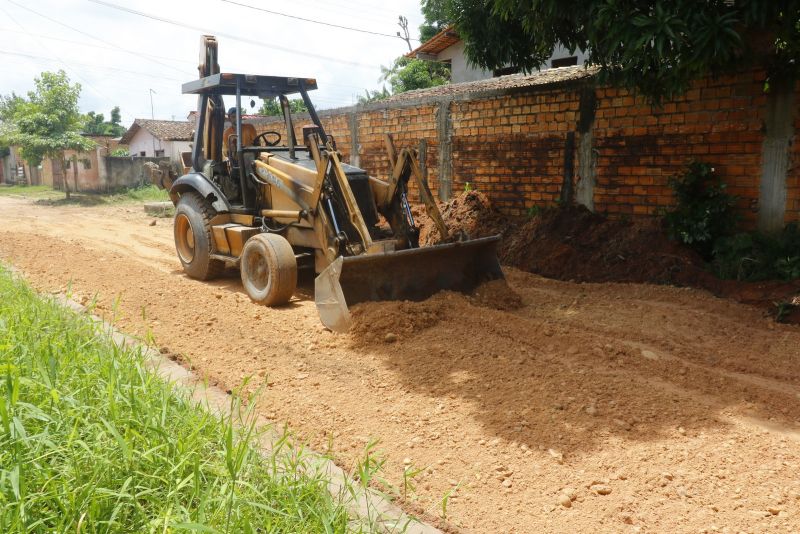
(258, 139)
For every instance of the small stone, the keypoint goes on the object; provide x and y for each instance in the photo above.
(557, 456)
(407, 461)
(507, 483)
(681, 431)
(681, 491)
(626, 518)
(649, 354)
(390, 337)
(773, 510)
(601, 489)
(668, 476)
(153, 222)
(622, 424)
(591, 410)
(564, 500)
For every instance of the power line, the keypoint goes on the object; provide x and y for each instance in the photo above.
(138, 73)
(90, 45)
(233, 37)
(88, 84)
(330, 24)
(90, 35)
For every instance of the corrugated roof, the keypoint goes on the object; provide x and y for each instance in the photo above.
(510, 81)
(164, 130)
(436, 44)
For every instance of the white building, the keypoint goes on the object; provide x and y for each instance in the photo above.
(153, 138)
(447, 46)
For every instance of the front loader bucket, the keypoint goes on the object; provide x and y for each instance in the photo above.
(412, 274)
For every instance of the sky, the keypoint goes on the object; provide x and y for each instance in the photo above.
(122, 58)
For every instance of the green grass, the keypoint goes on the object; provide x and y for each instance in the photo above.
(92, 441)
(30, 191)
(47, 195)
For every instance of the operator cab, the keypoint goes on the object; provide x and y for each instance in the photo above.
(225, 156)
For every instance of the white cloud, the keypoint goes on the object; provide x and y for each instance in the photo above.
(118, 57)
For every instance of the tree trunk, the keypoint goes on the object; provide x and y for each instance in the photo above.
(64, 175)
(75, 171)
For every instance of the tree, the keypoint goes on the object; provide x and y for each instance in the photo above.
(437, 15)
(654, 46)
(407, 74)
(272, 107)
(47, 123)
(373, 96)
(96, 124)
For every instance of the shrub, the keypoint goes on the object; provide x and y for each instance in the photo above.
(704, 210)
(756, 256)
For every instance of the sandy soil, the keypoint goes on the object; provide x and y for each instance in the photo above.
(590, 407)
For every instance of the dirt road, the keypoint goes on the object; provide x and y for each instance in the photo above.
(593, 407)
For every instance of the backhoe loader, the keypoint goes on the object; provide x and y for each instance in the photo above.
(278, 205)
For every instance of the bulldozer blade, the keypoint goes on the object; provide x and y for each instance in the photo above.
(412, 274)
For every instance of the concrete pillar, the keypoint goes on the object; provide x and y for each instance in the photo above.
(355, 158)
(444, 130)
(587, 163)
(775, 157)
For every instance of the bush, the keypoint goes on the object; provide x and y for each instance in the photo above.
(755, 256)
(704, 210)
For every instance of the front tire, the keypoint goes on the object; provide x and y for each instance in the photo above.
(192, 231)
(269, 269)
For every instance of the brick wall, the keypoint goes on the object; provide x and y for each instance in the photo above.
(512, 143)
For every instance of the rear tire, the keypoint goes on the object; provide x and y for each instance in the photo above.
(192, 231)
(269, 269)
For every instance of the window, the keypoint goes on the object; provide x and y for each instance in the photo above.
(159, 153)
(87, 164)
(506, 70)
(142, 153)
(68, 164)
(564, 62)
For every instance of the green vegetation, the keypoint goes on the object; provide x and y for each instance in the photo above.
(654, 46)
(46, 123)
(30, 191)
(47, 195)
(120, 152)
(273, 108)
(92, 441)
(704, 211)
(704, 219)
(756, 256)
(407, 74)
(96, 124)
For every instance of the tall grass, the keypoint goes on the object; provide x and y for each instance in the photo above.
(92, 441)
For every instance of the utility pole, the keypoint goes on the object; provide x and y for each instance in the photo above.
(153, 117)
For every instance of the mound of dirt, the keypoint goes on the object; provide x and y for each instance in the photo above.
(471, 213)
(497, 295)
(374, 321)
(572, 243)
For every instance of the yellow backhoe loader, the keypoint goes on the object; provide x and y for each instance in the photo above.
(272, 207)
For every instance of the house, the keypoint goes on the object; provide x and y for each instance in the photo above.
(447, 46)
(154, 138)
(87, 170)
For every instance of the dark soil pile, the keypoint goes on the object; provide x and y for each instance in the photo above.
(572, 243)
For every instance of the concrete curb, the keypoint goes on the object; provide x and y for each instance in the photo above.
(368, 507)
(159, 209)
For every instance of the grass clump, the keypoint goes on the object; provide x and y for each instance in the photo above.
(92, 441)
(44, 194)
